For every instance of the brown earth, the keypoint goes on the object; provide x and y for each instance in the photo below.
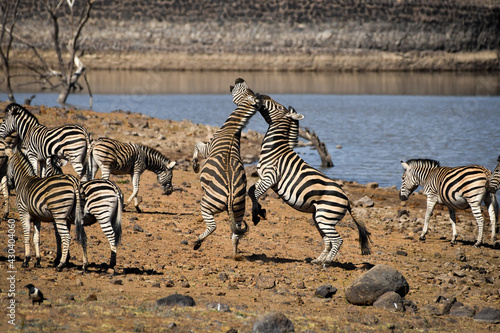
(156, 259)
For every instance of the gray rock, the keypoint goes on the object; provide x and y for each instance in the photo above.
(367, 288)
(176, 299)
(325, 291)
(488, 315)
(462, 311)
(218, 307)
(365, 201)
(390, 301)
(274, 322)
(138, 228)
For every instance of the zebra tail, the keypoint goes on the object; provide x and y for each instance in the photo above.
(90, 164)
(116, 221)
(81, 237)
(234, 228)
(364, 234)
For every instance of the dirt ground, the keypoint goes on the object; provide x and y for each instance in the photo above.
(156, 257)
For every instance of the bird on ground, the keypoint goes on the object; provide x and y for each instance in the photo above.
(35, 294)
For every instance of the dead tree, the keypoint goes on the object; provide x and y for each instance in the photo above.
(8, 15)
(326, 159)
(69, 67)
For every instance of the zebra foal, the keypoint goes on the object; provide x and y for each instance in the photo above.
(222, 177)
(52, 199)
(456, 188)
(68, 142)
(119, 158)
(298, 184)
(102, 202)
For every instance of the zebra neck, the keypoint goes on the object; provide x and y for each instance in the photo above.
(153, 162)
(238, 119)
(23, 128)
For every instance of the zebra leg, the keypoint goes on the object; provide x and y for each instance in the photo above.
(57, 260)
(431, 203)
(36, 240)
(491, 202)
(26, 223)
(107, 229)
(135, 184)
(254, 192)
(65, 237)
(453, 221)
(331, 239)
(478, 215)
(208, 217)
(5, 191)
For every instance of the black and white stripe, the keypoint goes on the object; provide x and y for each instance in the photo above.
(457, 188)
(494, 183)
(52, 199)
(119, 158)
(222, 177)
(69, 142)
(103, 203)
(297, 183)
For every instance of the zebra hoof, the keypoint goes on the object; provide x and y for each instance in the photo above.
(59, 268)
(37, 264)
(422, 238)
(197, 245)
(263, 213)
(477, 244)
(255, 219)
(138, 209)
(5, 217)
(496, 245)
(25, 264)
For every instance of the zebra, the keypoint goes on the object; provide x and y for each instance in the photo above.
(103, 203)
(9, 142)
(298, 184)
(52, 199)
(118, 158)
(494, 181)
(69, 142)
(455, 187)
(222, 177)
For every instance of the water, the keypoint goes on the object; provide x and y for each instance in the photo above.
(375, 131)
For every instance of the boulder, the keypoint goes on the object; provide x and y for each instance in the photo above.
(176, 299)
(390, 301)
(367, 288)
(325, 291)
(274, 322)
(488, 315)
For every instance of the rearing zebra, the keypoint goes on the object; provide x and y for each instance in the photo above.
(457, 188)
(68, 142)
(297, 183)
(495, 178)
(119, 158)
(52, 199)
(223, 178)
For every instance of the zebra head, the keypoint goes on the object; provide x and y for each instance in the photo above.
(14, 114)
(415, 173)
(165, 178)
(272, 110)
(241, 93)
(495, 178)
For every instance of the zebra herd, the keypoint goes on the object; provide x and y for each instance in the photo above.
(32, 166)
(45, 194)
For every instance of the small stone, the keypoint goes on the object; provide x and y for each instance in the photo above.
(365, 201)
(372, 185)
(185, 284)
(169, 284)
(403, 212)
(138, 228)
(325, 291)
(401, 253)
(92, 298)
(218, 307)
(176, 299)
(390, 301)
(118, 282)
(78, 283)
(223, 277)
(265, 282)
(462, 311)
(273, 322)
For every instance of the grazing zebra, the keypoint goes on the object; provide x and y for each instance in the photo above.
(69, 142)
(298, 184)
(103, 203)
(457, 188)
(52, 199)
(119, 158)
(222, 177)
(495, 178)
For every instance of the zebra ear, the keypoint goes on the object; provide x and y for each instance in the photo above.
(171, 165)
(295, 116)
(405, 165)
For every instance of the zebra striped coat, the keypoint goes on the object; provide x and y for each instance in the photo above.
(10, 142)
(298, 184)
(222, 177)
(68, 142)
(494, 182)
(52, 199)
(456, 188)
(119, 158)
(103, 203)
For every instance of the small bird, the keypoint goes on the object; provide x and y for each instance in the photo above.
(35, 294)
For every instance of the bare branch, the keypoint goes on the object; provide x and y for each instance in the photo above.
(326, 159)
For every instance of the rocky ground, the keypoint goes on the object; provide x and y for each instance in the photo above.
(156, 258)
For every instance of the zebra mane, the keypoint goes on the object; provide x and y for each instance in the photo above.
(424, 162)
(16, 109)
(498, 159)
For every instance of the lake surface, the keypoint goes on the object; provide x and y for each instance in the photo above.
(377, 119)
